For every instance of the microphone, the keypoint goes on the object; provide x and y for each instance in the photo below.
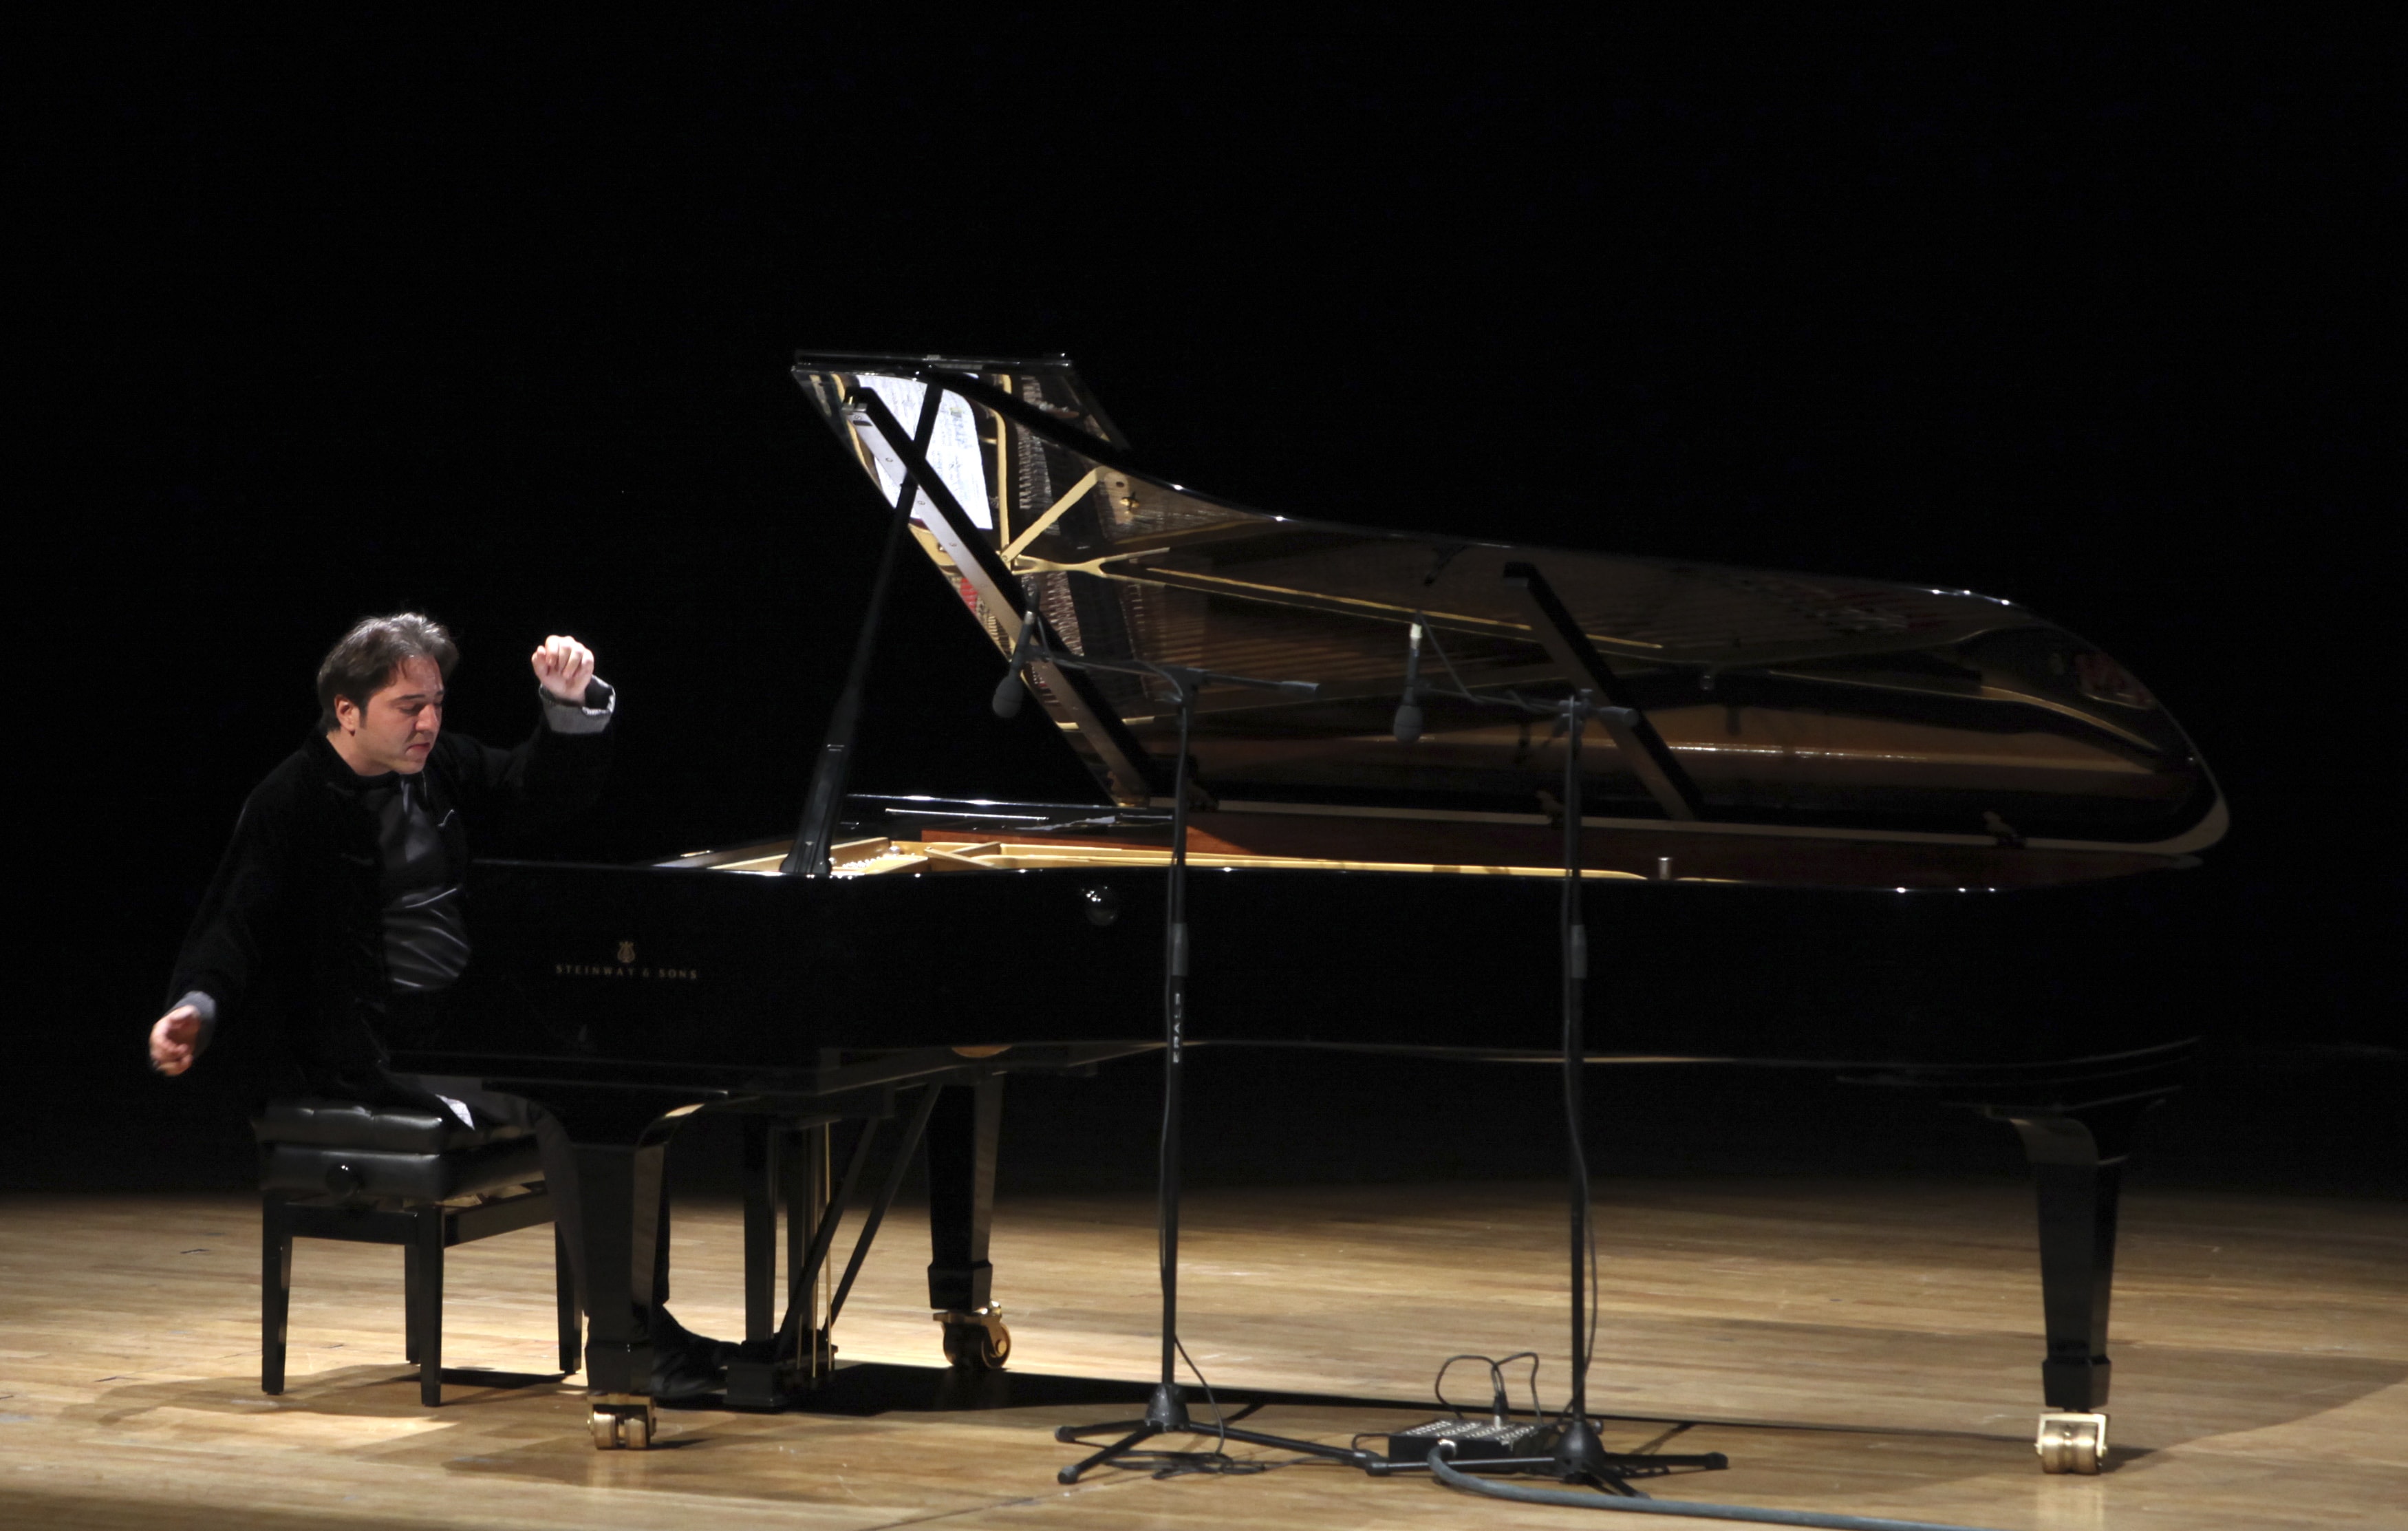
(1008, 691)
(1409, 711)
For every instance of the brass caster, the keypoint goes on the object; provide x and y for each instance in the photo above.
(976, 1341)
(621, 1422)
(2076, 1443)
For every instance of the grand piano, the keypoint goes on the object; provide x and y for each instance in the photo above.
(1909, 837)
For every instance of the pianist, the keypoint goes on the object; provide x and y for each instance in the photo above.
(335, 918)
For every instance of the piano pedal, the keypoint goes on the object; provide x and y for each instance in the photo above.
(759, 1376)
(2072, 1443)
(976, 1341)
(622, 1421)
(759, 1382)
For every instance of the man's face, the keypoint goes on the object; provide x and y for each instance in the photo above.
(397, 732)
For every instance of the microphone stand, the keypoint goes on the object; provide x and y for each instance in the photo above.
(1166, 1409)
(1578, 1455)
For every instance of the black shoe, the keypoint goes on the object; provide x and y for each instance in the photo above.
(678, 1374)
(670, 1337)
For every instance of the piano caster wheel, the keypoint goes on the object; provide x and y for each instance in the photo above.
(2074, 1443)
(621, 1423)
(976, 1341)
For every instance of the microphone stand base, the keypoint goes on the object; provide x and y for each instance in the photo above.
(1166, 1414)
(1579, 1457)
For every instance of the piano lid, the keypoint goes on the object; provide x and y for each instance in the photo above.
(1785, 704)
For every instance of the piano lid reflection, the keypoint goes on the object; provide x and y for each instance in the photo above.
(1915, 834)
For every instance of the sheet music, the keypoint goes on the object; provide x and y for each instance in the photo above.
(952, 450)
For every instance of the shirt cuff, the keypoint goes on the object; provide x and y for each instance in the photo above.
(208, 1006)
(601, 706)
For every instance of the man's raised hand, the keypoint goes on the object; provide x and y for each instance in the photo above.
(562, 668)
(175, 1040)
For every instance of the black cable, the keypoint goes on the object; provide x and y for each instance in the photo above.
(1531, 1356)
(1700, 1509)
(1496, 1366)
(1589, 1353)
(1218, 1459)
(1438, 1384)
(1574, 927)
(1580, 1179)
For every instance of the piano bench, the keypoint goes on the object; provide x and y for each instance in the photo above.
(393, 1175)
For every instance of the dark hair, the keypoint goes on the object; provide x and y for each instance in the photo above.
(358, 667)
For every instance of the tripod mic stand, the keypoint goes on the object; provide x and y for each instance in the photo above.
(1577, 1455)
(1166, 1409)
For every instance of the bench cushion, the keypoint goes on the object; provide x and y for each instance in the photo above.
(380, 1172)
(349, 1124)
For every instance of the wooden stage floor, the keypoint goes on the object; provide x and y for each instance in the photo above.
(1865, 1347)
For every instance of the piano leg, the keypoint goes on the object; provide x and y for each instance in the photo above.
(2077, 1161)
(620, 1184)
(963, 1128)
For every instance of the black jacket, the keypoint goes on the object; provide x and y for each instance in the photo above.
(289, 939)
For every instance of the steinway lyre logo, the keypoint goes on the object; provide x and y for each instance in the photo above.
(626, 953)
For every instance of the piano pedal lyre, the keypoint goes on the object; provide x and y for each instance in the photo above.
(976, 1341)
(2072, 1443)
(621, 1421)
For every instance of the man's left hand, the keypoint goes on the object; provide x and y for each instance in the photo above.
(562, 668)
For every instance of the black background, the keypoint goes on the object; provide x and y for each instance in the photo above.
(492, 317)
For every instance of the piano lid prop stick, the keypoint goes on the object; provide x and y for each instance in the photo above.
(808, 856)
